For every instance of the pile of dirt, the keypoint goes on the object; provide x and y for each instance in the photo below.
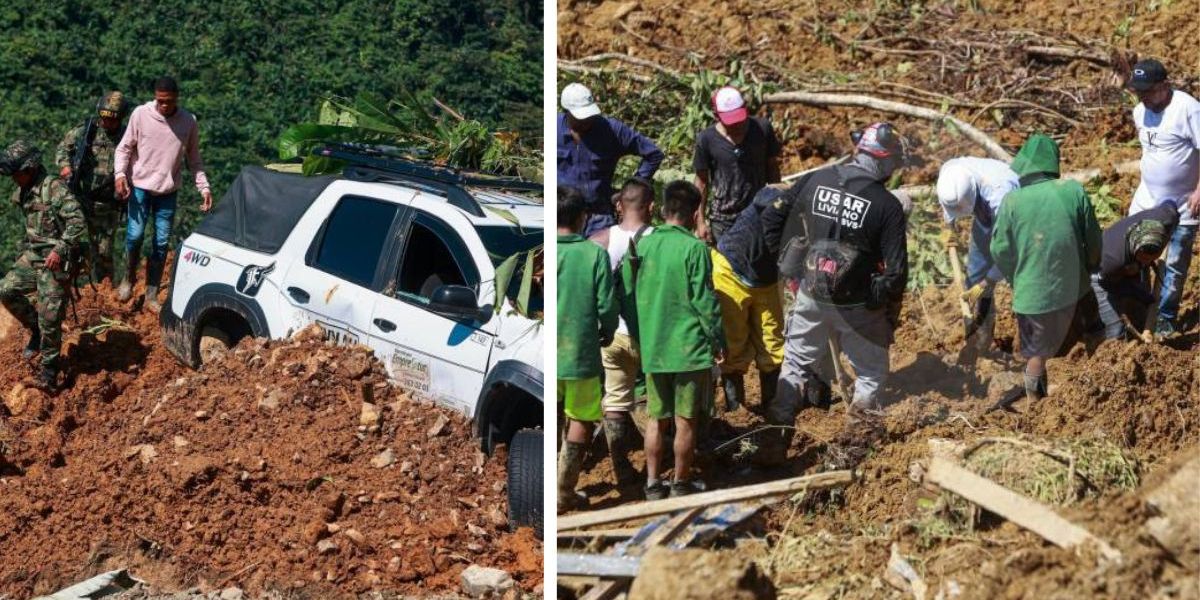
(290, 466)
(711, 575)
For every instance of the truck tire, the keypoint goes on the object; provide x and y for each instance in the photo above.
(525, 492)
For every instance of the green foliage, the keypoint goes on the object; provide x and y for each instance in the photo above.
(928, 262)
(411, 130)
(1107, 205)
(249, 69)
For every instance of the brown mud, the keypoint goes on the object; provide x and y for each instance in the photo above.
(261, 470)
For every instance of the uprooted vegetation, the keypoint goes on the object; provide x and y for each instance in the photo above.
(292, 467)
(1116, 424)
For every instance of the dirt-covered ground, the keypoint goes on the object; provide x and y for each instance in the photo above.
(1139, 403)
(263, 470)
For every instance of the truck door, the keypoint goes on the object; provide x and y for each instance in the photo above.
(441, 358)
(335, 284)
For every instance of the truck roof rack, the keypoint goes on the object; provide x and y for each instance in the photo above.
(396, 162)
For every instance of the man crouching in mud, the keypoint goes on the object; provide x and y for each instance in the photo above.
(842, 242)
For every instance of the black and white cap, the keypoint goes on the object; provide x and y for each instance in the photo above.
(1147, 73)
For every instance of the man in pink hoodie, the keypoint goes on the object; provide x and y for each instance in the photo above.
(160, 135)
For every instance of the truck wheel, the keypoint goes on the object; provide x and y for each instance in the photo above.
(525, 480)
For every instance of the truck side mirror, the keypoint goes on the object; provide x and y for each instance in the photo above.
(458, 302)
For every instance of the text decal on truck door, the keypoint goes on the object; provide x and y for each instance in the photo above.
(196, 258)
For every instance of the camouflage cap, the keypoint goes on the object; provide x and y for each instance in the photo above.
(20, 155)
(112, 104)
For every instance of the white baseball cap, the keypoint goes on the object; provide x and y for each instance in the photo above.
(956, 190)
(577, 100)
(729, 105)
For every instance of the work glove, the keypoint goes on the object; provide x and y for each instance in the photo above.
(977, 291)
(949, 237)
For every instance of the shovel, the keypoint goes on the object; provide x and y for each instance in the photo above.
(1156, 271)
(970, 326)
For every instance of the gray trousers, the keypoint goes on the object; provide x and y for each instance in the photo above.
(865, 336)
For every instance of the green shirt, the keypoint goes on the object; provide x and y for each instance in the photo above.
(679, 320)
(1046, 240)
(586, 306)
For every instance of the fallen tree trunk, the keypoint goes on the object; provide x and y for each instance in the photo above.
(628, 512)
(862, 101)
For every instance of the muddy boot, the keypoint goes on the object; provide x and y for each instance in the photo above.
(35, 343)
(735, 390)
(125, 290)
(657, 490)
(773, 444)
(686, 488)
(154, 271)
(619, 432)
(570, 463)
(1035, 386)
(768, 381)
(47, 380)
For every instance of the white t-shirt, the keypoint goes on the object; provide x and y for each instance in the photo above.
(994, 180)
(618, 246)
(1170, 155)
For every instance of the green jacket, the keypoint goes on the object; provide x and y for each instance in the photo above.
(53, 220)
(96, 177)
(679, 320)
(1046, 240)
(587, 307)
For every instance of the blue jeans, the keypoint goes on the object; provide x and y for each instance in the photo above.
(979, 256)
(142, 206)
(1178, 260)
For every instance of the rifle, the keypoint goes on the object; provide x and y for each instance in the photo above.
(77, 158)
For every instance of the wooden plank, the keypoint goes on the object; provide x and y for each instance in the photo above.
(1023, 511)
(639, 510)
(609, 589)
(597, 565)
(619, 533)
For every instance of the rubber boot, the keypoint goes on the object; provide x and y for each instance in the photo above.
(48, 378)
(619, 433)
(35, 343)
(735, 390)
(125, 290)
(768, 381)
(1035, 386)
(570, 463)
(154, 270)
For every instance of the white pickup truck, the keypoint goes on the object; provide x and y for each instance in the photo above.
(397, 255)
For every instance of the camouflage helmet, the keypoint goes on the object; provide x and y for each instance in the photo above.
(113, 104)
(20, 155)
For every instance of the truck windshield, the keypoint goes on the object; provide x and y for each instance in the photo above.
(504, 241)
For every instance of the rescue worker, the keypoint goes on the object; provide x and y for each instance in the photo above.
(54, 227)
(1130, 247)
(975, 187)
(842, 241)
(93, 183)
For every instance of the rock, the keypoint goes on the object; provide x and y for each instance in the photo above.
(725, 575)
(201, 415)
(1176, 505)
(271, 398)
(17, 399)
(315, 531)
(327, 547)
(476, 530)
(180, 442)
(357, 364)
(355, 537)
(384, 459)
(370, 415)
(497, 517)
(439, 426)
(483, 582)
(232, 593)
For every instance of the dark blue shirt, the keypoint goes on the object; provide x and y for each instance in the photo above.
(589, 166)
(744, 244)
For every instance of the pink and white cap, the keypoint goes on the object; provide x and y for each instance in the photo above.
(729, 105)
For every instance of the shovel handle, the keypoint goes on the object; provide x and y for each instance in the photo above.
(956, 272)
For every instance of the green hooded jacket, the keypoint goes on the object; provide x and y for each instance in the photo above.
(587, 307)
(1046, 240)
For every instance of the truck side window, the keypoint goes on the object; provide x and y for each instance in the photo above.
(353, 239)
(433, 256)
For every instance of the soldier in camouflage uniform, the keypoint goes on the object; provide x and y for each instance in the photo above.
(54, 226)
(94, 179)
